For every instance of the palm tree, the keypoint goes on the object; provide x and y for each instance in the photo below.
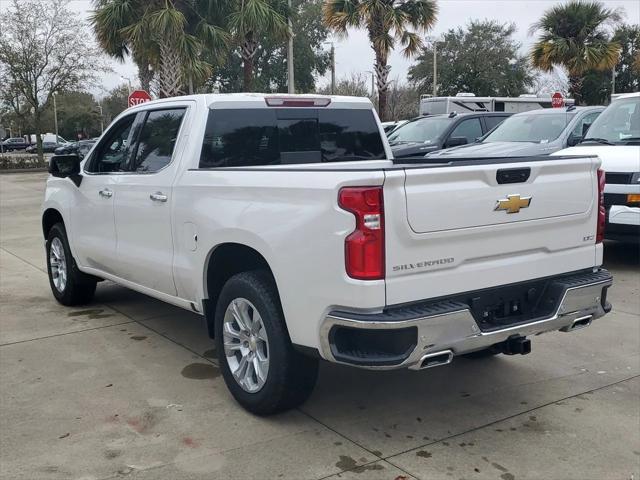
(165, 36)
(249, 20)
(387, 22)
(574, 35)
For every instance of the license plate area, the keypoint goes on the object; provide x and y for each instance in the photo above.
(494, 309)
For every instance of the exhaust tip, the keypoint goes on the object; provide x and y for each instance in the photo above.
(578, 323)
(436, 359)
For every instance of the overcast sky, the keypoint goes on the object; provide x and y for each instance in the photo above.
(354, 54)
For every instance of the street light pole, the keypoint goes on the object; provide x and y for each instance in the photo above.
(128, 81)
(290, 79)
(55, 115)
(613, 81)
(101, 119)
(373, 79)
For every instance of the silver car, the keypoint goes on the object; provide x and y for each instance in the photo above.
(537, 132)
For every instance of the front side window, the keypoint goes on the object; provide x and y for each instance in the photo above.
(583, 125)
(113, 152)
(266, 136)
(493, 122)
(619, 124)
(469, 129)
(157, 139)
(537, 128)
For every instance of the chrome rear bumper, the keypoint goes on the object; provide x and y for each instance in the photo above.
(449, 329)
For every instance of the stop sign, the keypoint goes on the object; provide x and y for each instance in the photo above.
(556, 100)
(137, 97)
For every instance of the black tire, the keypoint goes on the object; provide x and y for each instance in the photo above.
(291, 376)
(79, 287)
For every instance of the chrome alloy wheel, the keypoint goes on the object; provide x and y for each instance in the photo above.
(246, 345)
(58, 264)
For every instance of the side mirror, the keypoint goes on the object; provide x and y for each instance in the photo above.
(585, 128)
(455, 142)
(63, 166)
(572, 141)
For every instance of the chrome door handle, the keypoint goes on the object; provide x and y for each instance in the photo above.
(106, 193)
(158, 197)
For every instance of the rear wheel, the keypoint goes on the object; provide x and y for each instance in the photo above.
(259, 365)
(69, 285)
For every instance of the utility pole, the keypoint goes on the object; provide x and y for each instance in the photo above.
(613, 81)
(55, 115)
(333, 67)
(435, 69)
(290, 79)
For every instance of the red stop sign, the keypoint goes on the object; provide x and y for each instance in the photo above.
(556, 100)
(137, 97)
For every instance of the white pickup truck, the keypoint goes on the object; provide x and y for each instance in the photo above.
(285, 222)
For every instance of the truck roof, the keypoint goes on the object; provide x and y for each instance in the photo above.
(259, 100)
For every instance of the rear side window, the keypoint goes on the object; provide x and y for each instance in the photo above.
(157, 140)
(289, 136)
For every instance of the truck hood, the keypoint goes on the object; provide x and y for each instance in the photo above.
(615, 158)
(413, 149)
(497, 149)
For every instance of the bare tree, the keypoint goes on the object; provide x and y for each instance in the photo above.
(43, 51)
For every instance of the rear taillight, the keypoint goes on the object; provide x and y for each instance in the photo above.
(601, 210)
(364, 247)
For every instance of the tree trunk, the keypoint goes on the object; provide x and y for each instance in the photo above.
(38, 130)
(247, 52)
(575, 88)
(382, 74)
(170, 74)
(248, 75)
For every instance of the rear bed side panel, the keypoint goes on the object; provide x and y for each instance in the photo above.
(293, 220)
(466, 245)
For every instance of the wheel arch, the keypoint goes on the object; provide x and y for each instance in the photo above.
(224, 261)
(50, 217)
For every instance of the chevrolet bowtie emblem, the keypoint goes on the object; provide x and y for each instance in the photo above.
(513, 203)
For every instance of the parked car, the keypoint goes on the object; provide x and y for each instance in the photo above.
(422, 135)
(14, 143)
(47, 147)
(284, 221)
(80, 147)
(391, 126)
(538, 132)
(615, 138)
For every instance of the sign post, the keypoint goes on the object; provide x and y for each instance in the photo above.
(137, 97)
(556, 100)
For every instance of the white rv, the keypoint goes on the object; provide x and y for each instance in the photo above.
(468, 102)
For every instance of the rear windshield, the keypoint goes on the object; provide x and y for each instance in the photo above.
(427, 130)
(289, 136)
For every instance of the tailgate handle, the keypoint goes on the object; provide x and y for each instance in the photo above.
(513, 175)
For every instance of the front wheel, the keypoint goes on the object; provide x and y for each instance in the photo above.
(68, 284)
(259, 364)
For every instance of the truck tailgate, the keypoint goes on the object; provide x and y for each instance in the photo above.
(465, 227)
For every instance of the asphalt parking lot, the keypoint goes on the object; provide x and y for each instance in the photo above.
(128, 387)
